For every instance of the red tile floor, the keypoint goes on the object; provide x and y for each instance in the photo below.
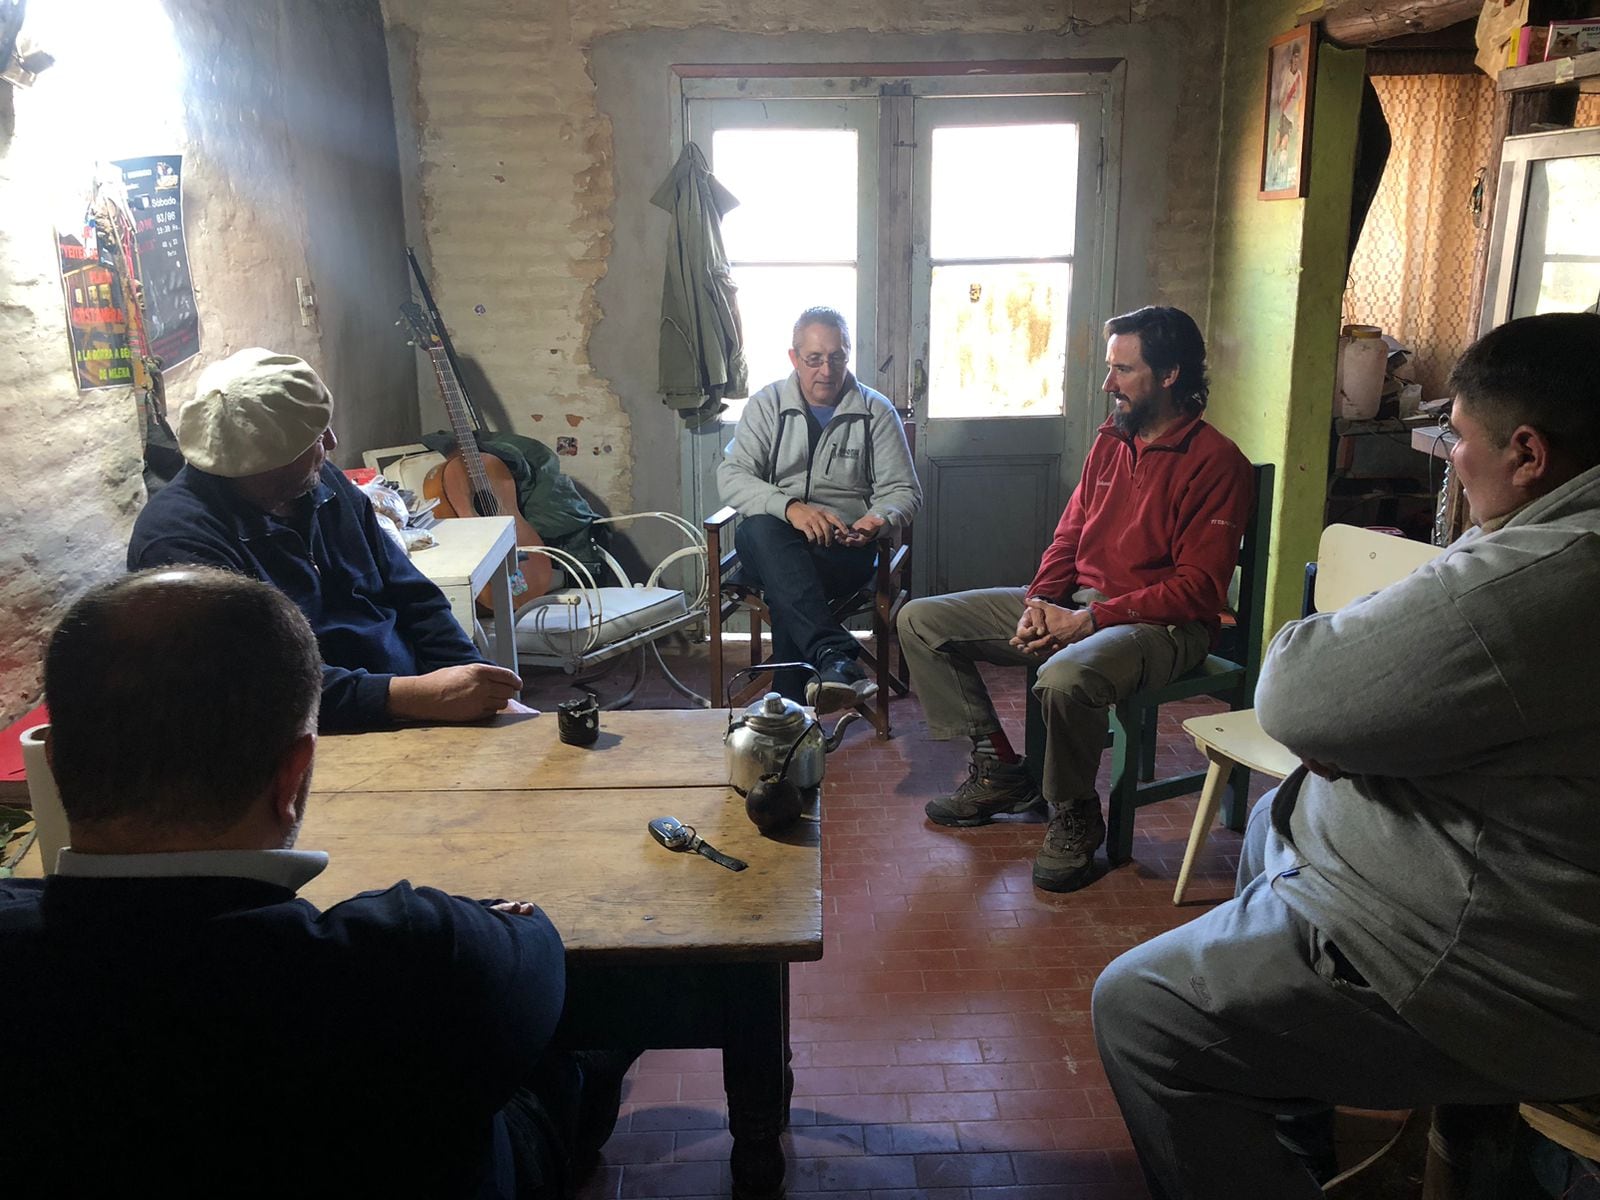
(942, 1045)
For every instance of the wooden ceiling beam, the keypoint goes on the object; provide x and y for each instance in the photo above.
(1354, 23)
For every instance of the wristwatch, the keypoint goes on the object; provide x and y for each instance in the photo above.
(675, 835)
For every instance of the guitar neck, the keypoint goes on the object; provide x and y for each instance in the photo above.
(455, 403)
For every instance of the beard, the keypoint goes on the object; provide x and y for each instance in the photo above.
(1137, 416)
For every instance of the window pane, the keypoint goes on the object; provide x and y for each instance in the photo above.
(1568, 287)
(1004, 191)
(998, 340)
(1572, 184)
(770, 298)
(1561, 241)
(796, 190)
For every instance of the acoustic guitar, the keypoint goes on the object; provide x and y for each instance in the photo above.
(470, 484)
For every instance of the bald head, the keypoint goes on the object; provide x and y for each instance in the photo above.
(175, 695)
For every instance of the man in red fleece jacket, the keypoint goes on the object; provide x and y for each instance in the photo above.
(1126, 596)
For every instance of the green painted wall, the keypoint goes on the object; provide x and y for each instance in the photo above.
(1277, 275)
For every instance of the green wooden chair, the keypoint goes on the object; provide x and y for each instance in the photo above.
(1229, 674)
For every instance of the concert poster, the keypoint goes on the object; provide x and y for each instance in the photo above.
(97, 323)
(155, 199)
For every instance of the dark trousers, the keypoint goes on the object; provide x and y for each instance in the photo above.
(797, 580)
(547, 1139)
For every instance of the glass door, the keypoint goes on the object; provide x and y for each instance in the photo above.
(1005, 324)
(803, 233)
(963, 226)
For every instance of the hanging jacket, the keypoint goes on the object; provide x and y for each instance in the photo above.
(702, 343)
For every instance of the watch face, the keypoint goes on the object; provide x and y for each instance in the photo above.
(670, 832)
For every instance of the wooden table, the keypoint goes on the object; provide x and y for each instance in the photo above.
(473, 553)
(664, 950)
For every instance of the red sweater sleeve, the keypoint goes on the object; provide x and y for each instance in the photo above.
(1212, 512)
(1057, 576)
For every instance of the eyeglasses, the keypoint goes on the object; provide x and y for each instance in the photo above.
(835, 360)
(1444, 423)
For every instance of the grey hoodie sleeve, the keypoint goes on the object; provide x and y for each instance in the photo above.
(1362, 688)
(896, 494)
(741, 476)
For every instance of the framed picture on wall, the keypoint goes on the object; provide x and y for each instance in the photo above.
(1286, 125)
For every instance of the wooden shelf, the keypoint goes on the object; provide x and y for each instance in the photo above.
(1582, 71)
(1436, 442)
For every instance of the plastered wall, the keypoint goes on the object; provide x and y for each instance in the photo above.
(281, 109)
(1279, 274)
(541, 130)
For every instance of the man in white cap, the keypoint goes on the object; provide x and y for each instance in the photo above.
(260, 497)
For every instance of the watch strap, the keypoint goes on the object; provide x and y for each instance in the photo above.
(721, 859)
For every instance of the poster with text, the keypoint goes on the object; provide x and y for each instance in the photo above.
(155, 198)
(97, 323)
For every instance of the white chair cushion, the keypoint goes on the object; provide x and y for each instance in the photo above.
(549, 626)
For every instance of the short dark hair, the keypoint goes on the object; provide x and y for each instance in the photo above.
(1537, 371)
(1168, 338)
(174, 695)
(821, 315)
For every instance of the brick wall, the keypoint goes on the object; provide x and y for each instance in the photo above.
(549, 275)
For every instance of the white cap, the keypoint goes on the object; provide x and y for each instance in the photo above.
(254, 411)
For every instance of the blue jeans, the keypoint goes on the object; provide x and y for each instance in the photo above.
(797, 580)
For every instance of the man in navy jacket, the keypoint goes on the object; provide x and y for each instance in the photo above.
(259, 497)
(185, 1024)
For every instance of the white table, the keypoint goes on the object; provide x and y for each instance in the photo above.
(474, 552)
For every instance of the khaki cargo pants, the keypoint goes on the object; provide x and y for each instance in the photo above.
(944, 638)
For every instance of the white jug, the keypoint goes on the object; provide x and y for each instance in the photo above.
(1358, 380)
(49, 818)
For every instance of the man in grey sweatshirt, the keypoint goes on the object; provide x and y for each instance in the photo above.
(817, 468)
(1418, 914)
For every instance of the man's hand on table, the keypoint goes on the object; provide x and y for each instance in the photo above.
(1047, 627)
(469, 692)
(821, 527)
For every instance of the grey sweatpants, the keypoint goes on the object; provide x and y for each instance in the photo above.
(944, 638)
(1211, 1030)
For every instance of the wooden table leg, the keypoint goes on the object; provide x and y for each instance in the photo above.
(757, 1076)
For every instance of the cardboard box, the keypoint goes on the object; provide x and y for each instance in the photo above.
(1569, 38)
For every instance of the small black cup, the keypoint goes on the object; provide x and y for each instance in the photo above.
(578, 721)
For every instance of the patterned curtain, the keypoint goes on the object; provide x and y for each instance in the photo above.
(1413, 266)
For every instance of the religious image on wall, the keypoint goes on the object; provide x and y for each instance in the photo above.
(154, 195)
(97, 320)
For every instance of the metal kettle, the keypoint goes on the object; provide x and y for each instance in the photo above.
(777, 737)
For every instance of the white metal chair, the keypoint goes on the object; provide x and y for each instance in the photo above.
(1351, 563)
(585, 624)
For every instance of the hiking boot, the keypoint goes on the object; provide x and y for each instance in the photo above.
(1066, 860)
(991, 788)
(843, 684)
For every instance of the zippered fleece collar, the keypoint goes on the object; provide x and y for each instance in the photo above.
(1174, 439)
(851, 401)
